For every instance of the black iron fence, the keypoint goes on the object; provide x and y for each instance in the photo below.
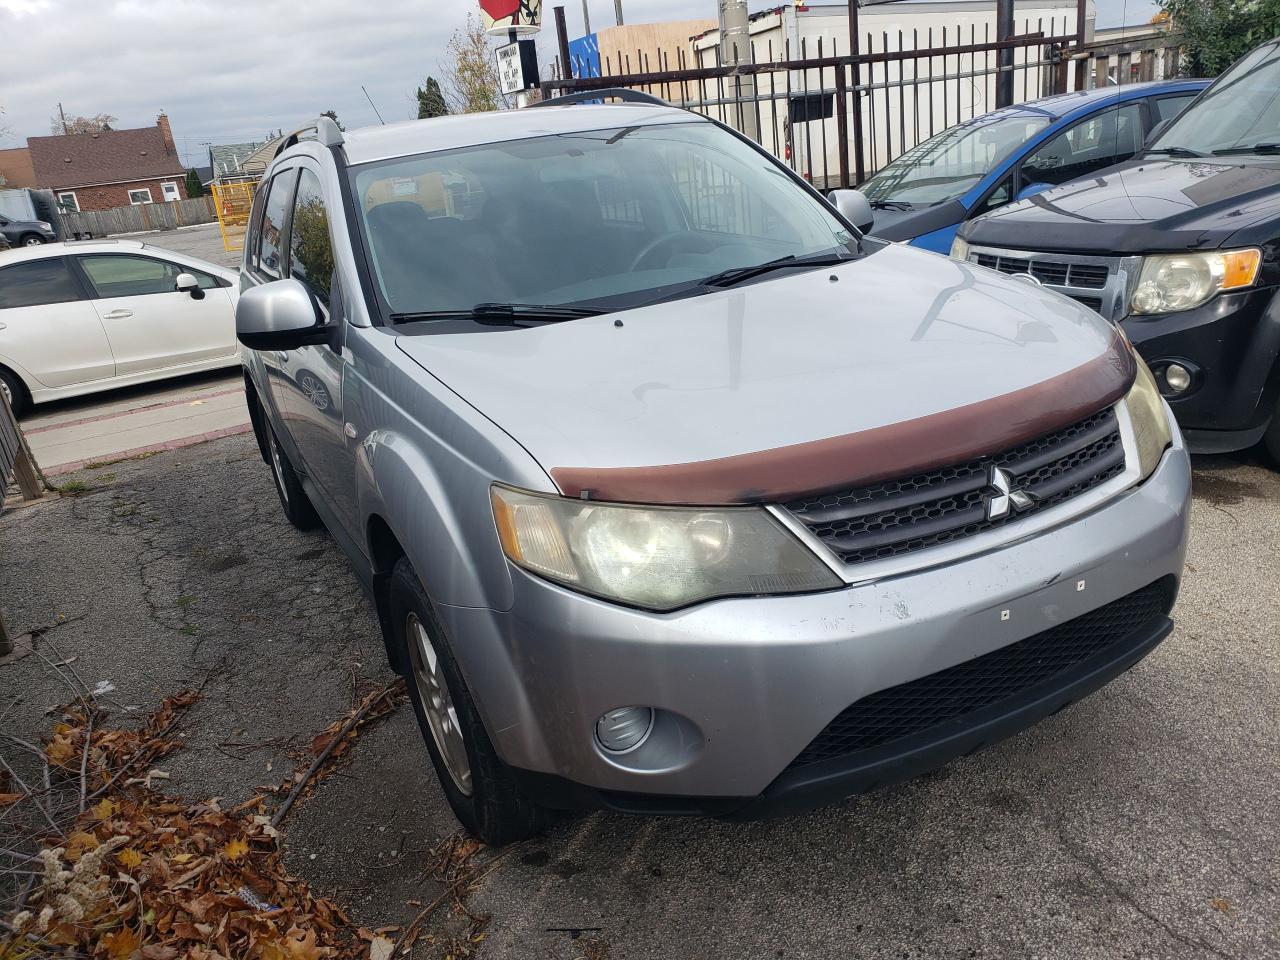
(836, 118)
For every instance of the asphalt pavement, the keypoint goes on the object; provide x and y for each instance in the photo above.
(1141, 823)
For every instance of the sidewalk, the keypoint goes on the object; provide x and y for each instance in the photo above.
(70, 435)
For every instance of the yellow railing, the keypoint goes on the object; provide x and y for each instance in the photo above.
(234, 202)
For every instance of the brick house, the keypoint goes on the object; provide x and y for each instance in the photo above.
(113, 168)
(15, 169)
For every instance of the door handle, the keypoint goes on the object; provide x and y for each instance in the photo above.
(118, 315)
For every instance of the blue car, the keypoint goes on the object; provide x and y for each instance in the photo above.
(974, 167)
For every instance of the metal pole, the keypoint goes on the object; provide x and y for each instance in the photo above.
(859, 161)
(617, 11)
(65, 131)
(1004, 30)
(562, 38)
(735, 49)
(586, 19)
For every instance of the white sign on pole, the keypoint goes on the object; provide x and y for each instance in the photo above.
(510, 69)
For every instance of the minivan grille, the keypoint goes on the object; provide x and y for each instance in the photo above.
(913, 513)
(1052, 273)
(948, 695)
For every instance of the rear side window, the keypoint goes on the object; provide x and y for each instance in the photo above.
(1086, 147)
(37, 282)
(272, 231)
(117, 276)
(310, 250)
(1166, 108)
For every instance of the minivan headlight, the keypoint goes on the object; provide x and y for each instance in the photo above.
(1151, 430)
(1180, 281)
(659, 558)
(959, 248)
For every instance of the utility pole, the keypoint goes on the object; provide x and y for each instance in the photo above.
(1004, 31)
(735, 49)
(65, 131)
(586, 20)
(617, 11)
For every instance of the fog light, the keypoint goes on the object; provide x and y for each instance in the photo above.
(1177, 378)
(624, 729)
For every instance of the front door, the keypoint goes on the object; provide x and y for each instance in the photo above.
(48, 326)
(150, 323)
(310, 386)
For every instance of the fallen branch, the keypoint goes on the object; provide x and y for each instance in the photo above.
(34, 799)
(316, 764)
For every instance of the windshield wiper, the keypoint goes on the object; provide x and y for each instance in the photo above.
(503, 314)
(727, 278)
(892, 205)
(1174, 152)
(1252, 148)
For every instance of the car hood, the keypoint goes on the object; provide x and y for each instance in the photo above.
(1150, 205)
(803, 382)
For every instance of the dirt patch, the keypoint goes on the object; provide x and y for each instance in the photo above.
(1221, 490)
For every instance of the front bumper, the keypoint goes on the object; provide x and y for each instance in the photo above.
(747, 684)
(1233, 341)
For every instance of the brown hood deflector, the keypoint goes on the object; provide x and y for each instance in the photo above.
(856, 459)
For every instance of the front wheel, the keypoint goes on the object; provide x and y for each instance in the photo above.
(478, 785)
(32, 240)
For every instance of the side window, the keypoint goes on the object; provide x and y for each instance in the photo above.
(310, 250)
(122, 276)
(270, 236)
(1166, 108)
(998, 197)
(1088, 146)
(37, 282)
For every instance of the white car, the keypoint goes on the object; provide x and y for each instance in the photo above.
(85, 316)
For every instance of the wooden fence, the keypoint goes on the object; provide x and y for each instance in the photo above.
(139, 218)
(15, 461)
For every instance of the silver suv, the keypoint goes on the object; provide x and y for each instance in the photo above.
(674, 492)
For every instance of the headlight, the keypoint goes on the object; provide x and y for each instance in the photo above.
(1150, 424)
(659, 558)
(1180, 281)
(959, 249)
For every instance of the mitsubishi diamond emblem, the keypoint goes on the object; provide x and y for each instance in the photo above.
(1006, 497)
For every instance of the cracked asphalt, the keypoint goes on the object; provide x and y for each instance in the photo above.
(1141, 823)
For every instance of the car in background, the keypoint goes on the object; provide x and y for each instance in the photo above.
(671, 506)
(4, 243)
(982, 164)
(85, 316)
(26, 233)
(1181, 248)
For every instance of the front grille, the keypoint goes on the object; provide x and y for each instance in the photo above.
(950, 694)
(1093, 303)
(1053, 273)
(901, 516)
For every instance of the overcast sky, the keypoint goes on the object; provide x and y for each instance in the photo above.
(232, 70)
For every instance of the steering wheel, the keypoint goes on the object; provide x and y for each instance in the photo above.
(653, 245)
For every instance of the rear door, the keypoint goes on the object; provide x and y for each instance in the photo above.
(49, 327)
(151, 324)
(1087, 146)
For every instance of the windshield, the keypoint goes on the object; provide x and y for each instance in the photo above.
(605, 219)
(1241, 109)
(948, 165)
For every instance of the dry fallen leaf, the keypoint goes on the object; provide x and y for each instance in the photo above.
(303, 946)
(184, 858)
(381, 949)
(236, 849)
(104, 809)
(9, 799)
(120, 944)
(1221, 905)
(129, 858)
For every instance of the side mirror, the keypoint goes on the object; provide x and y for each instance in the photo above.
(1158, 129)
(855, 208)
(1031, 189)
(186, 283)
(278, 316)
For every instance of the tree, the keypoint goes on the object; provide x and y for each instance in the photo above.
(1216, 33)
(431, 100)
(194, 187)
(333, 115)
(470, 73)
(95, 124)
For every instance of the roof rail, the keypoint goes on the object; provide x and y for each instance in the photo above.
(617, 93)
(326, 132)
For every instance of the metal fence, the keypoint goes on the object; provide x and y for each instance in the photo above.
(837, 118)
(138, 218)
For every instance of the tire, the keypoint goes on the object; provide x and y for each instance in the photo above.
(32, 240)
(15, 391)
(297, 505)
(478, 785)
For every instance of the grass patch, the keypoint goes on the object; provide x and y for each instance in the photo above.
(186, 601)
(100, 464)
(189, 629)
(73, 488)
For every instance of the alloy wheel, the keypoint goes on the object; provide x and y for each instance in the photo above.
(437, 705)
